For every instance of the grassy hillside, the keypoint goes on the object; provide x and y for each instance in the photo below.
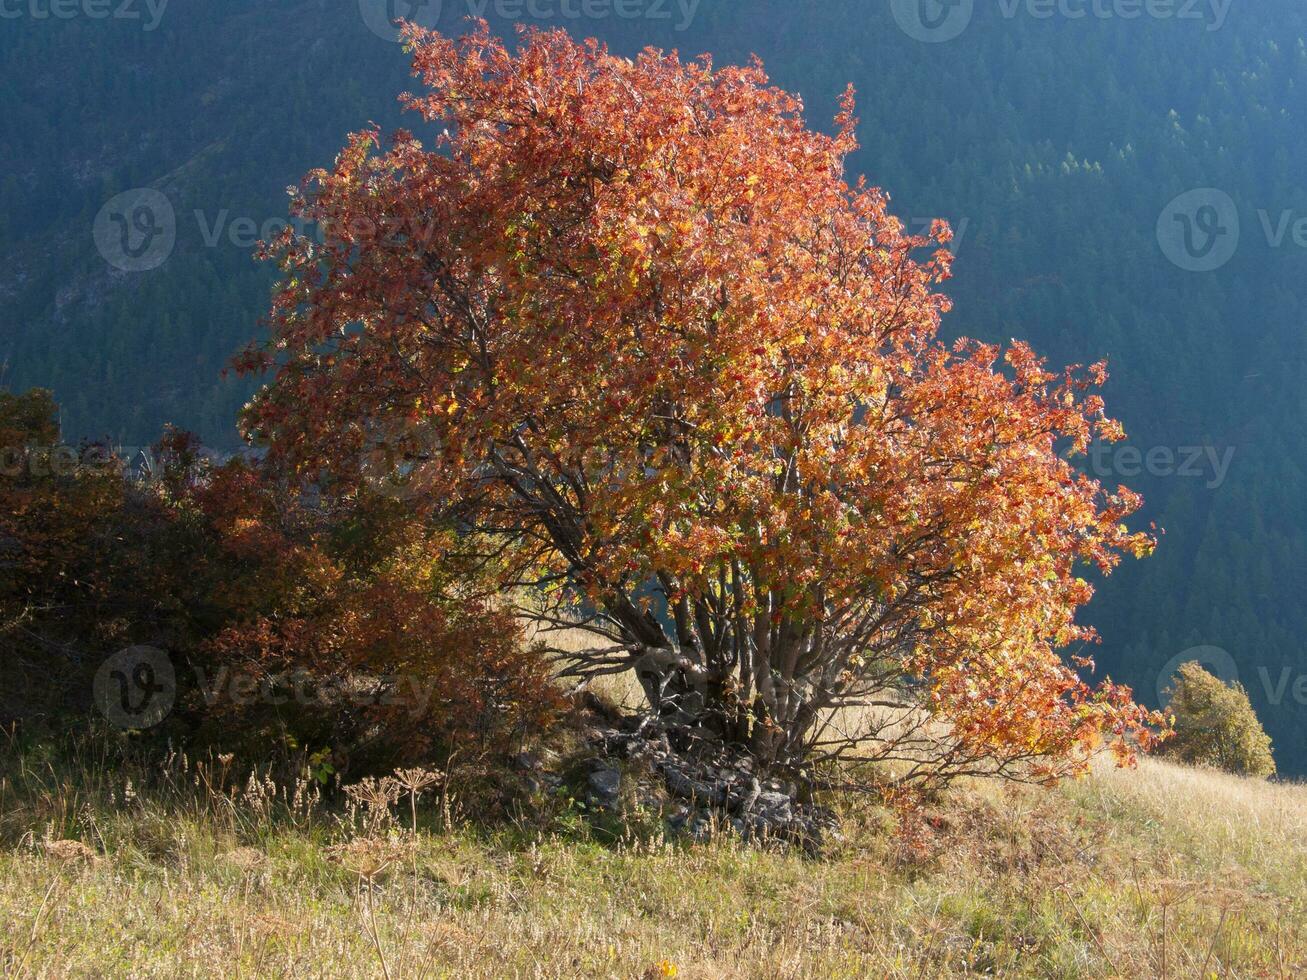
(1162, 872)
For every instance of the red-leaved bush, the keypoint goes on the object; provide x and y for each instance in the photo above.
(628, 322)
(346, 626)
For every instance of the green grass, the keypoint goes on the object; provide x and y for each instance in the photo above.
(1159, 872)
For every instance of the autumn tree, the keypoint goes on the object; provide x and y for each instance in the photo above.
(627, 320)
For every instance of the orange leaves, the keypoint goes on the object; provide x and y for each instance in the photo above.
(649, 333)
(362, 595)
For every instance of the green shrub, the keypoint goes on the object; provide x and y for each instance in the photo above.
(1215, 725)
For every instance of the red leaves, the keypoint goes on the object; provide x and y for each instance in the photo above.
(360, 595)
(680, 345)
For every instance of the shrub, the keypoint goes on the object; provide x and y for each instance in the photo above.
(58, 522)
(361, 626)
(1215, 725)
(348, 625)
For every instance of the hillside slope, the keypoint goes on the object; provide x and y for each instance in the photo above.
(1163, 872)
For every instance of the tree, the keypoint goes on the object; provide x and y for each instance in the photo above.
(628, 320)
(1215, 724)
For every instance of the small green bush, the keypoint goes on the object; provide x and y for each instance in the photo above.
(1215, 725)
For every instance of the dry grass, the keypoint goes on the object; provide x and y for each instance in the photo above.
(1250, 826)
(620, 690)
(1163, 872)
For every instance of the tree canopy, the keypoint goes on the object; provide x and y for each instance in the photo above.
(628, 318)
